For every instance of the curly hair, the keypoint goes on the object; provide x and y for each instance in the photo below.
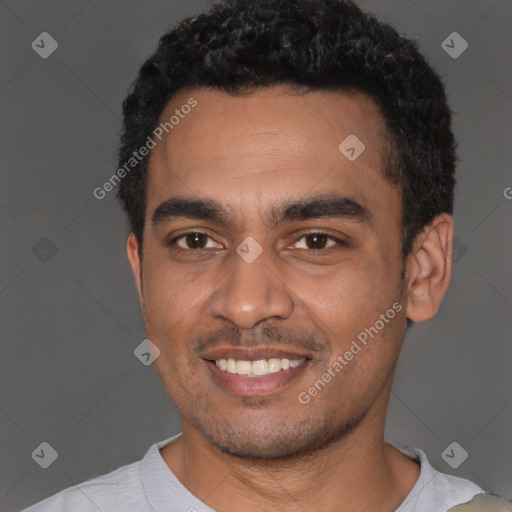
(316, 44)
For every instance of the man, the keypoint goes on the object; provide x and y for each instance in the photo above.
(287, 168)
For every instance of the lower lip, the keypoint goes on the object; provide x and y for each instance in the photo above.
(242, 385)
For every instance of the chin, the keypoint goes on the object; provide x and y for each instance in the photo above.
(266, 449)
(272, 443)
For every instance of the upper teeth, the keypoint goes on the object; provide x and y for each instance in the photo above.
(257, 368)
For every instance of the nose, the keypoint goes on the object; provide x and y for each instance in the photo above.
(250, 293)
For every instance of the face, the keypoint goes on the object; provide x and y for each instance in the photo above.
(283, 246)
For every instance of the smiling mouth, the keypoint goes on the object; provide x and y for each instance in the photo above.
(255, 371)
(257, 368)
(255, 377)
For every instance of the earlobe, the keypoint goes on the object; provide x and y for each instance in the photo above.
(132, 250)
(429, 268)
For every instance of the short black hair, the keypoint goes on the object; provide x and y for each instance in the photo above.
(315, 44)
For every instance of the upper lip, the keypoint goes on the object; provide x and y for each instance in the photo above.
(252, 354)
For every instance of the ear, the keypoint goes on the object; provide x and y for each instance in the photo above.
(429, 268)
(132, 249)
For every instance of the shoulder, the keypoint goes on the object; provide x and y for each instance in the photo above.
(484, 502)
(121, 487)
(437, 491)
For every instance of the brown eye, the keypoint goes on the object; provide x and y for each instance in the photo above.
(193, 240)
(317, 241)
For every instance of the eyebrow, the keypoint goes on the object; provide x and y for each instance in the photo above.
(320, 206)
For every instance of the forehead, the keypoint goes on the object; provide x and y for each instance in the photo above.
(271, 144)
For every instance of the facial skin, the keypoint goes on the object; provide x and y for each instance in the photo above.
(250, 154)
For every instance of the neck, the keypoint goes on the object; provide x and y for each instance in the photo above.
(357, 472)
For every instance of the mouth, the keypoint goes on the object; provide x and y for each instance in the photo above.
(254, 372)
(257, 368)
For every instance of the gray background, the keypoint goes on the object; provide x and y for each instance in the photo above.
(70, 324)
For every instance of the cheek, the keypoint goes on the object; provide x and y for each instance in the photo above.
(171, 292)
(378, 268)
(355, 287)
(351, 301)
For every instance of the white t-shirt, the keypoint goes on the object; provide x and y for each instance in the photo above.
(150, 485)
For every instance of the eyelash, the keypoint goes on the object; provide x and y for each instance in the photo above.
(173, 241)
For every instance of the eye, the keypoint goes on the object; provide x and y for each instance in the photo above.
(197, 240)
(194, 240)
(317, 241)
